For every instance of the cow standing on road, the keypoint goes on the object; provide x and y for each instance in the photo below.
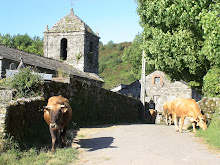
(182, 108)
(168, 112)
(57, 115)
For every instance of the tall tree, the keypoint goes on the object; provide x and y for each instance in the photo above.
(178, 36)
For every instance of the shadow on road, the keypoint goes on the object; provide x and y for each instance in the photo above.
(94, 144)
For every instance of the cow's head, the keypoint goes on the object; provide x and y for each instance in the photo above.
(56, 112)
(201, 121)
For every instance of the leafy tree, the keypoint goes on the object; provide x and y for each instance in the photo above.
(211, 85)
(23, 42)
(6, 40)
(133, 56)
(110, 44)
(181, 38)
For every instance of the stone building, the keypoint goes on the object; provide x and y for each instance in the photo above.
(70, 46)
(73, 42)
(160, 89)
(131, 90)
(10, 59)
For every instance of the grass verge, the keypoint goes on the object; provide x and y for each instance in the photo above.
(14, 156)
(212, 134)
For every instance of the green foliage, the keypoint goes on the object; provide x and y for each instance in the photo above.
(211, 86)
(26, 83)
(110, 45)
(181, 37)
(133, 56)
(210, 22)
(111, 66)
(212, 134)
(23, 42)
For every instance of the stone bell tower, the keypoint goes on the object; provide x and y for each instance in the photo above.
(72, 41)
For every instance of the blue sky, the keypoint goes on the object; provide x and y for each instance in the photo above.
(115, 20)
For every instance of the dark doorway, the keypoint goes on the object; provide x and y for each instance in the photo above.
(63, 49)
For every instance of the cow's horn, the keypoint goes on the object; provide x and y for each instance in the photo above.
(62, 106)
(48, 107)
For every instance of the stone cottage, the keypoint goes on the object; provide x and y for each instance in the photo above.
(73, 42)
(160, 89)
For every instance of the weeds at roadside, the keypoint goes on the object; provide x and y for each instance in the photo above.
(12, 155)
(212, 134)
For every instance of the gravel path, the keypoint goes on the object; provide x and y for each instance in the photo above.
(142, 144)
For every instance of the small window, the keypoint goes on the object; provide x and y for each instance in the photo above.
(156, 80)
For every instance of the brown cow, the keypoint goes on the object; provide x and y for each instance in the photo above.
(57, 115)
(182, 108)
(168, 112)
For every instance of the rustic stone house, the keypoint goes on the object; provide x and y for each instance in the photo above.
(73, 42)
(160, 89)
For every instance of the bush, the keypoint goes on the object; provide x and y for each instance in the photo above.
(211, 83)
(26, 83)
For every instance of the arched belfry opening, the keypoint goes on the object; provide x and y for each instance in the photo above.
(63, 49)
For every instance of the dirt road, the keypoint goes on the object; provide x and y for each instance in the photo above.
(142, 144)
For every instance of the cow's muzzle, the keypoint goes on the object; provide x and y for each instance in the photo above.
(53, 126)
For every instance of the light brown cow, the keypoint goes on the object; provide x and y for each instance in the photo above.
(57, 115)
(153, 115)
(182, 108)
(167, 112)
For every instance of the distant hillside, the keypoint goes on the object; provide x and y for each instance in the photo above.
(111, 67)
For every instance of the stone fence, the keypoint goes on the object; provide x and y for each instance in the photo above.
(23, 118)
(209, 106)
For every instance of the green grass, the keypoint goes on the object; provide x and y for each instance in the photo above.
(212, 134)
(14, 156)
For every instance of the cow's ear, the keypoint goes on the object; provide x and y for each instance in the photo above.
(63, 108)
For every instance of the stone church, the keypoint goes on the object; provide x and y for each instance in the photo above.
(70, 45)
(73, 42)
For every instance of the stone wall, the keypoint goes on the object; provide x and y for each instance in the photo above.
(209, 106)
(5, 95)
(91, 105)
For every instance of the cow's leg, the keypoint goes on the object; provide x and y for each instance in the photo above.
(181, 124)
(53, 138)
(175, 118)
(166, 116)
(194, 126)
(62, 136)
(170, 119)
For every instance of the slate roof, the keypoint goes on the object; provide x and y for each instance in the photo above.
(70, 23)
(43, 62)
